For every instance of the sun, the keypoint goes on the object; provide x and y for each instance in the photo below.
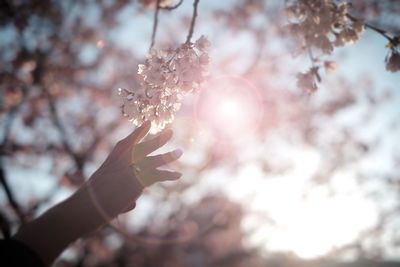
(230, 107)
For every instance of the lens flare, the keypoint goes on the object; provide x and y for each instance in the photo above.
(230, 106)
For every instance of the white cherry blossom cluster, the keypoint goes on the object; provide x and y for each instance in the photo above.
(324, 24)
(320, 26)
(164, 79)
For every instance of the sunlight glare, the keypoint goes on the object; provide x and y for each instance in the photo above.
(229, 109)
(230, 106)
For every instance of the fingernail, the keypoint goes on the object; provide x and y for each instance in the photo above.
(177, 153)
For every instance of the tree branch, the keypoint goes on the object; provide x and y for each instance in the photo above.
(155, 24)
(169, 8)
(99, 137)
(78, 160)
(192, 23)
(371, 27)
(10, 195)
(258, 54)
(10, 118)
(7, 128)
(5, 226)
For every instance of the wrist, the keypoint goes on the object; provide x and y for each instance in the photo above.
(110, 193)
(85, 211)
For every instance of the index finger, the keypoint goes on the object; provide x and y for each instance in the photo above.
(137, 135)
(143, 149)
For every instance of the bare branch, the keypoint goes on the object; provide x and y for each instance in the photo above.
(192, 23)
(258, 54)
(371, 27)
(5, 226)
(7, 128)
(169, 8)
(11, 116)
(78, 160)
(98, 138)
(10, 195)
(155, 24)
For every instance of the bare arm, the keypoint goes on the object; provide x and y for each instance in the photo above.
(111, 190)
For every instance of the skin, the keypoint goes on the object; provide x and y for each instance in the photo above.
(111, 190)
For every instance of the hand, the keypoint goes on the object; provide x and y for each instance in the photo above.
(116, 185)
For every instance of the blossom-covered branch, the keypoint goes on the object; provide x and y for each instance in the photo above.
(393, 58)
(324, 25)
(369, 26)
(165, 78)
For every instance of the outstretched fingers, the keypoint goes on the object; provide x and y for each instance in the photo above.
(143, 149)
(145, 167)
(153, 162)
(136, 135)
(128, 142)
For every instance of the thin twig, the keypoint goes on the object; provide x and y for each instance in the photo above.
(10, 195)
(98, 139)
(192, 23)
(311, 56)
(5, 226)
(56, 121)
(169, 8)
(11, 116)
(258, 56)
(371, 27)
(155, 24)
(78, 160)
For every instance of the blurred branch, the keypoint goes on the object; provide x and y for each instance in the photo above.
(7, 128)
(55, 118)
(10, 118)
(192, 23)
(78, 158)
(371, 27)
(155, 24)
(99, 137)
(169, 8)
(260, 49)
(10, 195)
(4, 226)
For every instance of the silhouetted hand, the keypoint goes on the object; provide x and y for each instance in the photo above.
(115, 186)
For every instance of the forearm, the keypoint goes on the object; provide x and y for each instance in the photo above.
(92, 206)
(52, 232)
